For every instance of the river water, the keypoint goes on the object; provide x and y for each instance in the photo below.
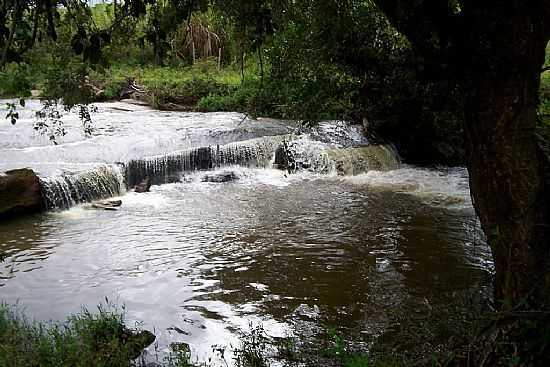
(199, 261)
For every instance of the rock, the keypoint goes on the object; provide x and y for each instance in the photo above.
(107, 204)
(281, 158)
(108, 337)
(143, 186)
(138, 341)
(20, 193)
(284, 159)
(222, 176)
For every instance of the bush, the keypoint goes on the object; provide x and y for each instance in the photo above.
(15, 80)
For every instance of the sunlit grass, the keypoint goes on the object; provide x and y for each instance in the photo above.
(155, 76)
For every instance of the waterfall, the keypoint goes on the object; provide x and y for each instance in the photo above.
(303, 152)
(62, 192)
(168, 168)
(316, 156)
(354, 161)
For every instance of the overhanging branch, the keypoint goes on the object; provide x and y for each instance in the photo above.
(421, 20)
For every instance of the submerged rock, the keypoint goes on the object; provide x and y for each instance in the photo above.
(223, 176)
(20, 193)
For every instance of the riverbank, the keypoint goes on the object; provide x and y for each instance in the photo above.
(201, 87)
(98, 338)
(102, 338)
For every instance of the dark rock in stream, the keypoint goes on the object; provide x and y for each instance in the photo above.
(117, 336)
(223, 176)
(143, 186)
(138, 341)
(284, 159)
(20, 193)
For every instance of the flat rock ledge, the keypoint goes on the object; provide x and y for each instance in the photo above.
(20, 193)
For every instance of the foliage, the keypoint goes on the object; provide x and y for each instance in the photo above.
(544, 103)
(85, 339)
(253, 349)
(15, 80)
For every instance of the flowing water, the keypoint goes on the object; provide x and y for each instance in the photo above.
(344, 242)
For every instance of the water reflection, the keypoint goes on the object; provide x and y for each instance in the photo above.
(199, 260)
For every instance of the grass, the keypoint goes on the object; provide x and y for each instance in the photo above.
(101, 339)
(200, 86)
(84, 339)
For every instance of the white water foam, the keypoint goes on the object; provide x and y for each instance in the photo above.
(445, 187)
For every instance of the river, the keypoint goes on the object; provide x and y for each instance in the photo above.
(199, 261)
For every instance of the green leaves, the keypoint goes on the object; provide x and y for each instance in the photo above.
(12, 114)
(90, 45)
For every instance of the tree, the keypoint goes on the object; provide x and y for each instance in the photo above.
(494, 50)
(20, 21)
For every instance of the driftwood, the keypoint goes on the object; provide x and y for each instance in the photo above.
(107, 204)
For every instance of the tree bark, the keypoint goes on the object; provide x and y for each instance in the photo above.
(9, 42)
(507, 166)
(508, 187)
(495, 51)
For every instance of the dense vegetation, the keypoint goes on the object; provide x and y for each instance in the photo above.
(85, 339)
(263, 58)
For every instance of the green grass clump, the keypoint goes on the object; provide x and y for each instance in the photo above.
(84, 339)
(544, 106)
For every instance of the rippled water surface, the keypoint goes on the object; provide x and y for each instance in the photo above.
(198, 261)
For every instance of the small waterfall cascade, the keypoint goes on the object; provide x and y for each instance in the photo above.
(320, 157)
(64, 191)
(357, 160)
(332, 149)
(168, 168)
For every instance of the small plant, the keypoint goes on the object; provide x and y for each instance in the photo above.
(338, 346)
(179, 355)
(253, 349)
(11, 108)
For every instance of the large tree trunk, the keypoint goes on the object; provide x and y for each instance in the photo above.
(507, 166)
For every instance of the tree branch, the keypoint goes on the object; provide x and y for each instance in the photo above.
(420, 21)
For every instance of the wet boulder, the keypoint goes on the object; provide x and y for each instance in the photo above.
(284, 158)
(219, 177)
(20, 193)
(143, 186)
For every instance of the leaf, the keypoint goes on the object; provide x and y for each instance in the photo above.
(22, 102)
